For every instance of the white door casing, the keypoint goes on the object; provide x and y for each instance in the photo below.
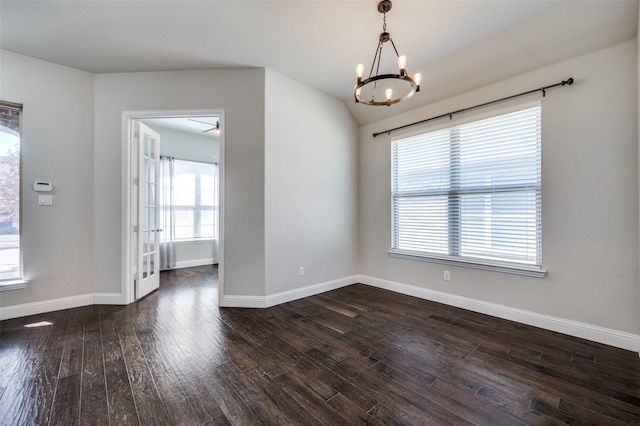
(129, 164)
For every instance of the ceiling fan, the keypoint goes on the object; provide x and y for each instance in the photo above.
(215, 127)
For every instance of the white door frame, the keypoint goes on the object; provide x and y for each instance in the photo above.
(127, 267)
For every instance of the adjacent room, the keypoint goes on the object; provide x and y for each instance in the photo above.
(319, 212)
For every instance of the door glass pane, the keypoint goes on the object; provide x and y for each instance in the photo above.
(151, 172)
(145, 266)
(152, 241)
(145, 169)
(152, 194)
(145, 242)
(152, 218)
(152, 265)
(152, 147)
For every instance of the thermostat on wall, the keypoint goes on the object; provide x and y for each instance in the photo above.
(41, 186)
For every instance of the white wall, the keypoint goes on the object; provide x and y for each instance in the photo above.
(310, 186)
(240, 92)
(57, 134)
(589, 198)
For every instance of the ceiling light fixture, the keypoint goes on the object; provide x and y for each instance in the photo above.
(404, 86)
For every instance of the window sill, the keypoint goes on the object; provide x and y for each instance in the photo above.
(12, 285)
(518, 269)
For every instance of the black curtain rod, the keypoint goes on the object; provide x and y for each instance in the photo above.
(569, 82)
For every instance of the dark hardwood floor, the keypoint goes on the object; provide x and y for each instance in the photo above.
(357, 355)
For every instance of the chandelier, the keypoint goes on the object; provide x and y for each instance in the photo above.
(396, 87)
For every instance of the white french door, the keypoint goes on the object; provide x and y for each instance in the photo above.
(148, 218)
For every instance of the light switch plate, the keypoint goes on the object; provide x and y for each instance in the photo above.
(45, 200)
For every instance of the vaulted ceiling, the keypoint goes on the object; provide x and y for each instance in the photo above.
(456, 45)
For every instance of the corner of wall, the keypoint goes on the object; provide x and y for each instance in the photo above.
(638, 134)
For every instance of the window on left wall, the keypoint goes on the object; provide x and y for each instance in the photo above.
(10, 217)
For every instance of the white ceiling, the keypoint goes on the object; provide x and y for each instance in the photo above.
(456, 45)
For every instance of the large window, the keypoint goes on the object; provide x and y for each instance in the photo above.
(194, 201)
(471, 193)
(10, 255)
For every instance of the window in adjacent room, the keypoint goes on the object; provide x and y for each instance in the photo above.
(470, 194)
(194, 200)
(10, 248)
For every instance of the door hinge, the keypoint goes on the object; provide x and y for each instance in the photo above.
(135, 228)
(136, 181)
(136, 134)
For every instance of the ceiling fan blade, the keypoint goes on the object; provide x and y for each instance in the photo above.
(203, 122)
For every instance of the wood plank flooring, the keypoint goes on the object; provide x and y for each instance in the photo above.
(357, 355)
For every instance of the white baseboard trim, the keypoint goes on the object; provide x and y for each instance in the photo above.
(231, 301)
(195, 262)
(108, 299)
(594, 333)
(33, 308)
(299, 293)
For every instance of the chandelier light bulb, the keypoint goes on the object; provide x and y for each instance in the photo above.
(402, 63)
(389, 94)
(359, 72)
(418, 79)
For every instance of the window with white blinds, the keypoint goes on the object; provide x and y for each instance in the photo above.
(471, 192)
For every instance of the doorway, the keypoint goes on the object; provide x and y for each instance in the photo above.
(195, 140)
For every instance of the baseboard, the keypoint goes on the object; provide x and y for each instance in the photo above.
(108, 299)
(195, 262)
(299, 293)
(232, 301)
(44, 306)
(594, 333)
(34, 308)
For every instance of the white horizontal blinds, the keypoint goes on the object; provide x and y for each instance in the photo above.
(472, 190)
(420, 189)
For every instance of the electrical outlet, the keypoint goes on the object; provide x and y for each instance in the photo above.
(447, 276)
(301, 271)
